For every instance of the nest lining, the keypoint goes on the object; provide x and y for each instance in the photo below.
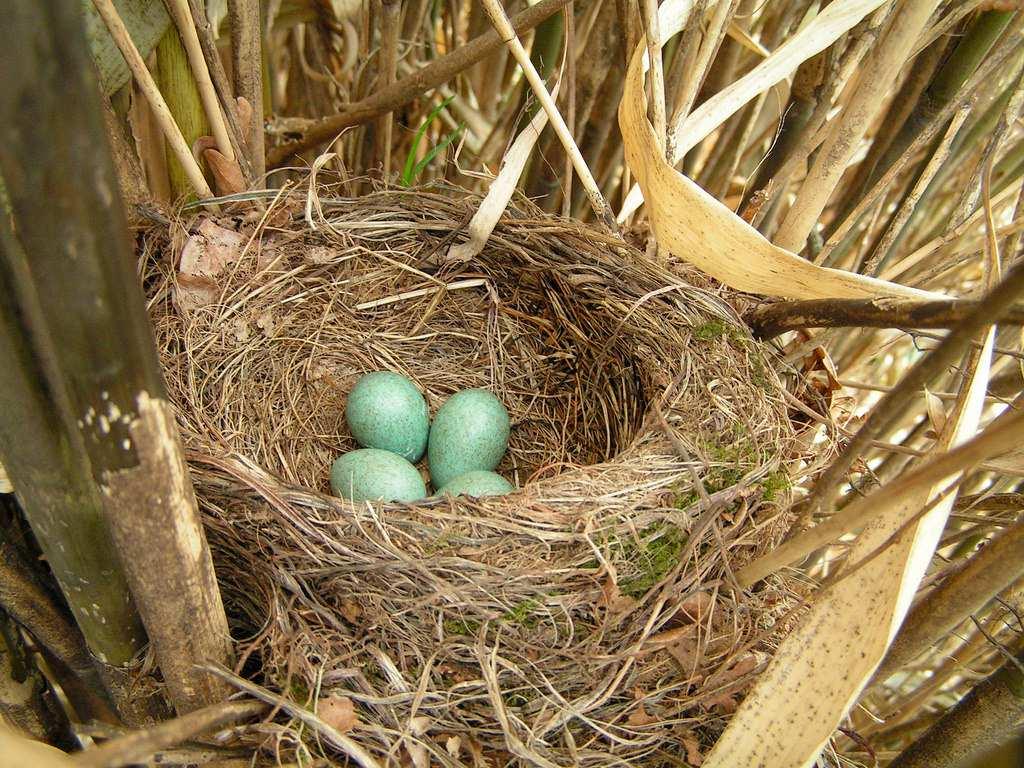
(586, 619)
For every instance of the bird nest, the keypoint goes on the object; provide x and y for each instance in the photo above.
(590, 617)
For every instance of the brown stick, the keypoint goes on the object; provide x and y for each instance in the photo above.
(768, 320)
(247, 60)
(138, 747)
(961, 594)
(25, 600)
(409, 88)
(889, 410)
(390, 14)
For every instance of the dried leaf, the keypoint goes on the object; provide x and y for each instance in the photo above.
(502, 188)
(696, 607)
(639, 717)
(244, 115)
(452, 745)
(613, 600)
(692, 224)
(210, 250)
(338, 712)
(5, 482)
(936, 412)
(227, 175)
(724, 703)
(266, 323)
(351, 611)
(694, 756)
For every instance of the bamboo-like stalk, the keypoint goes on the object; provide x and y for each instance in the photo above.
(508, 35)
(909, 204)
(712, 39)
(77, 253)
(222, 86)
(834, 156)
(182, 16)
(970, 50)
(179, 147)
(44, 454)
(247, 64)
(179, 90)
(988, 714)
(960, 595)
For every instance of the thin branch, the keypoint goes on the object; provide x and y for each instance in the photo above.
(891, 408)
(505, 30)
(140, 746)
(1000, 437)
(768, 320)
(965, 592)
(409, 88)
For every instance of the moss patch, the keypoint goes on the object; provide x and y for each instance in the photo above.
(654, 556)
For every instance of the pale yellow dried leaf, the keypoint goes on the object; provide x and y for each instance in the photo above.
(695, 226)
(502, 188)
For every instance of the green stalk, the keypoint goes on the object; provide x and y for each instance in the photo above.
(44, 455)
(88, 434)
(179, 90)
(951, 76)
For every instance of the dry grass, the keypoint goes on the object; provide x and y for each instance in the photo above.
(586, 619)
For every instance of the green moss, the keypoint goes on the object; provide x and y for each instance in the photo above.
(711, 330)
(776, 483)
(524, 614)
(298, 691)
(654, 556)
(460, 627)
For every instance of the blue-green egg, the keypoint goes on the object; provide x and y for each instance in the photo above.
(386, 411)
(372, 474)
(469, 432)
(477, 483)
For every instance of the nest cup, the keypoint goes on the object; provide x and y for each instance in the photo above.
(588, 618)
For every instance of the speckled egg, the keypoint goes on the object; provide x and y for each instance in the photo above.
(372, 474)
(469, 432)
(386, 411)
(479, 482)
